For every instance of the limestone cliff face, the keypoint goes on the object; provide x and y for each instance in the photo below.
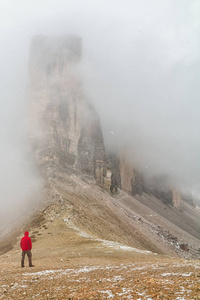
(124, 176)
(66, 131)
(176, 198)
(131, 181)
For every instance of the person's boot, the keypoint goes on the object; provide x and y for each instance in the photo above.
(31, 266)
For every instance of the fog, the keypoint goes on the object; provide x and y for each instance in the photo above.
(140, 69)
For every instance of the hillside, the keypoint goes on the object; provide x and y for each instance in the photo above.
(94, 214)
(90, 245)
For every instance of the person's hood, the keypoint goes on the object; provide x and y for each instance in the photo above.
(26, 233)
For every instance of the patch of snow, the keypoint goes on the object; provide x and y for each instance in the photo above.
(108, 292)
(15, 285)
(86, 235)
(140, 294)
(168, 274)
(46, 272)
(117, 278)
(125, 291)
(117, 245)
(175, 274)
(80, 232)
(140, 268)
(107, 243)
(87, 269)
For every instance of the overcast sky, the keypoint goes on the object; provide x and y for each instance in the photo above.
(140, 68)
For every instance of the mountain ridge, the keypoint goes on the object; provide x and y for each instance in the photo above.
(101, 194)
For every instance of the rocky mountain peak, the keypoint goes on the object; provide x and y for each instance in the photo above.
(72, 210)
(66, 129)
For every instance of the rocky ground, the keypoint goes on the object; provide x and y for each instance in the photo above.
(103, 278)
(70, 264)
(89, 245)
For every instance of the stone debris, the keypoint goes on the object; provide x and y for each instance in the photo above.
(163, 278)
(184, 247)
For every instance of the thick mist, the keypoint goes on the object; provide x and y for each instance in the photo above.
(140, 69)
(19, 182)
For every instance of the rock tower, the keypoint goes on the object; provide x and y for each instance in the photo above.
(66, 131)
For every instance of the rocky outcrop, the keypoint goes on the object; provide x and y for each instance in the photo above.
(131, 180)
(66, 131)
(113, 174)
(125, 177)
(176, 198)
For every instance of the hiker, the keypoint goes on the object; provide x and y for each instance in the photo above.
(26, 246)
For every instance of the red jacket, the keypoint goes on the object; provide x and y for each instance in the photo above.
(26, 243)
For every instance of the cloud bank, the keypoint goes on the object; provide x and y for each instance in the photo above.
(140, 68)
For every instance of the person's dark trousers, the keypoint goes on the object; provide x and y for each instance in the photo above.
(29, 254)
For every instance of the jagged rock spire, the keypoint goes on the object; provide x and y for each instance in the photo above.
(66, 128)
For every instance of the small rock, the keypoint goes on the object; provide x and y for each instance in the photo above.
(151, 280)
(184, 247)
(35, 278)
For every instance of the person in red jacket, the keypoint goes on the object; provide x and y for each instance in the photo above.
(26, 246)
